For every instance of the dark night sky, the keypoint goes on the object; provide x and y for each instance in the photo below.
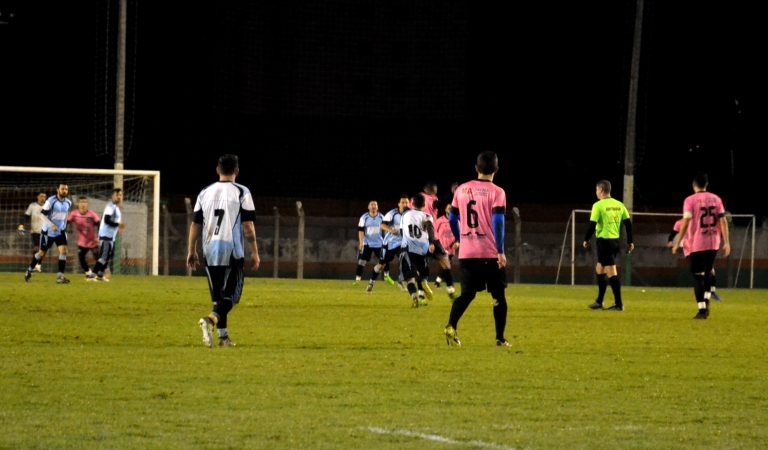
(376, 93)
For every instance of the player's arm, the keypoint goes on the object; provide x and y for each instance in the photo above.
(588, 234)
(249, 231)
(194, 231)
(360, 237)
(681, 234)
(45, 214)
(630, 239)
(499, 226)
(671, 238)
(453, 220)
(726, 235)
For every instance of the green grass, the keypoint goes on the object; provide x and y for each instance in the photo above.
(320, 364)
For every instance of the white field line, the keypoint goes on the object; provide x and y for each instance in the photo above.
(438, 438)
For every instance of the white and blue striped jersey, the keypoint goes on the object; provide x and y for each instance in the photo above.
(222, 208)
(393, 219)
(415, 236)
(371, 228)
(57, 211)
(116, 217)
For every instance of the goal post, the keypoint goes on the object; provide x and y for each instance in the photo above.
(139, 252)
(651, 258)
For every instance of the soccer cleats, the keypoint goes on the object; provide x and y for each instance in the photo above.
(38, 268)
(702, 314)
(596, 306)
(28, 275)
(503, 343)
(226, 342)
(206, 326)
(714, 295)
(427, 290)
(389, 280)
(62, 280)
(451, 336)
(615, 308)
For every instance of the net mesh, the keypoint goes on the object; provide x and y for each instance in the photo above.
(133, 249)
(652, 263)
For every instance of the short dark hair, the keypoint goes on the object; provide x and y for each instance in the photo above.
(605, 185)
(81, 198)
(487, 162)
(116, 191)
(418, 201)
(228, 164)
(701, 180)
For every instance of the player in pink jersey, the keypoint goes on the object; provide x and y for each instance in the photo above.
(704, 226)
(670, 242)
(85, 222)
(477, 221)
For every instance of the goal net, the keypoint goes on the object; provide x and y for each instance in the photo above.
(652, 263)
(136, 249)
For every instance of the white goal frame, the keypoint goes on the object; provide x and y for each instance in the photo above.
(570, 228)
(118, 174)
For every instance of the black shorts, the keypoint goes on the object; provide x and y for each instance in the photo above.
(35, 239)
(702, 262)
(47, 242)
(226, 281)
(413, 265)
(482, 274)
(607, 249)
(389, 254)
(366, 252)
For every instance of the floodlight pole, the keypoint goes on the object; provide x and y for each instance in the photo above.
(120, 102)
(631, 135)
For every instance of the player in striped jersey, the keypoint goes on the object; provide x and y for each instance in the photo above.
(110, 225)
(418, 239)
(369, 239)
(225, 213)
(54, 231)
(390, 224)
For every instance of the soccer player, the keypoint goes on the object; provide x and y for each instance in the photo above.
(53, 231)
(35, 214)
(111, 223)
(418, 239)
(390, 224)
(85, 222)
(438, 252)
(608, 214)
(477, 221)
(445, 236)
(369, 239)
(225, 213)
(704, 226)
(670, 242)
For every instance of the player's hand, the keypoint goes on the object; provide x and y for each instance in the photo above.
(585, 244)
(726, 249)
(193, 262)
(255, 262)
(55, 229)
(674, 248)
(501, 259)
(630, 248)
(431, 248)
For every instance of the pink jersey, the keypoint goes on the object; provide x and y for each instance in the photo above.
(475, 202)
(85, 224)
(705, 210)
(677, 227)
(430, 204)
(444, 234)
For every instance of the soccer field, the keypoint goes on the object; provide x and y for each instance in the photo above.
(322, 364)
